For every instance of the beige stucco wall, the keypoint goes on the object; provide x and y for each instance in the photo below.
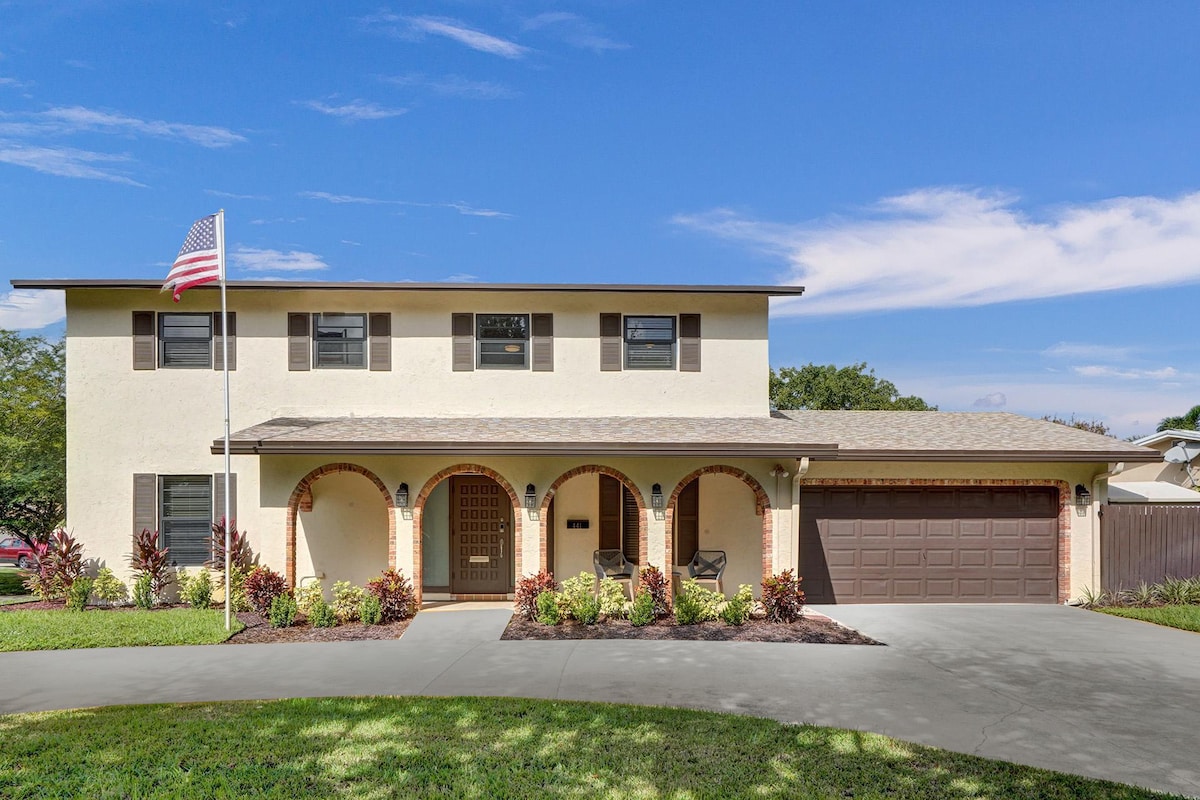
(728, 522)
(578, 498)
(1157, 471)
(345, 536)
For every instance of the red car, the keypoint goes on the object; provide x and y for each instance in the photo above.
(13, 549)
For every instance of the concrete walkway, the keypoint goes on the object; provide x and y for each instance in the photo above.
(1048, 686)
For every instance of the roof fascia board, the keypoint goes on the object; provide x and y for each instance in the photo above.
(975, 456)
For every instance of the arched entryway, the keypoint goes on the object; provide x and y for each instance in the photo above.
(719, 507)
(341, 525)
(614, 510)
(466, 533)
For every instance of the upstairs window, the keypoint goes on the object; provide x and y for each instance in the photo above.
(649, 342)
(502, 341)
(340, 341)
(185, 340)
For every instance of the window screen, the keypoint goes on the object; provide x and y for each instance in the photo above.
(185, 340)
(340, 340)
(185, 518)
(502, 341)
(649, 343)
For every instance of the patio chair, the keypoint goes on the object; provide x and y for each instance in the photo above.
(708, 565)
(613, 564)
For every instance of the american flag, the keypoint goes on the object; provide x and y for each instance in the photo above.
(198, 261)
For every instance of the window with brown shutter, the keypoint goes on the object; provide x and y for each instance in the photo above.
(543, 343)
(299, 344)
(380, 346)
(689, 342)
(145, 355)
(145, 502)
(610, 342)
(218, 349)
(462, 330)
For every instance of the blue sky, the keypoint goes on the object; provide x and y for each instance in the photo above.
(996, 206)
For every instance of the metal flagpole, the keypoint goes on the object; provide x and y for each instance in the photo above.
(225, 370)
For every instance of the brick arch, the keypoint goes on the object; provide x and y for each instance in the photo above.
(301, 500)
(418, 508)
(593, 469)
(762, 507)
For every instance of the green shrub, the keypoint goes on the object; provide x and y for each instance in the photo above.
(347, 600)
(782, 597)
(1144, 595)
(77, 595)
(576, 590)
(143, 594)
(263, 585)
(198, 590)
(548, 612)
(320, 614)
(696, 604)
(239, 600)
(307, 597)
(108, 589)
(659, 587)
(737, 610)
(283, 610)
(643, 609)
(586, 610)
(1179, 591)
(369, 610)
(529, 589)
(1091, 598)
(397, 600)
(612, 599)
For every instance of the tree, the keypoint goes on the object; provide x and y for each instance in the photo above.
(1188, 422)
(1090, 425)
(825, 387)
(33, 436)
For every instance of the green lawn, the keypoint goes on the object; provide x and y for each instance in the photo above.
(484, 748)
(1185, 617)
(63, 630)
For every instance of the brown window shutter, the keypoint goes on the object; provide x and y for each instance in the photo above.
(543, 342)
(218, 498)
(379, 357)
(144, 340)
(218, 350)
(610, 342)
(610, 513)
(299, 343)
(463, 332)
(631, 524)
(689, 342)
(145, 502)
(687, 523)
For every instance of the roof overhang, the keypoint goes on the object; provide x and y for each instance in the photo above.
(660, 449)
(976, 456)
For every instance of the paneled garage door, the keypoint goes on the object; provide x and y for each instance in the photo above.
(933, 544)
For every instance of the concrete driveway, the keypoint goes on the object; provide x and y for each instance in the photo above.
(1049, 686)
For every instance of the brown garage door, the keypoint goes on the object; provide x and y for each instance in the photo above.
(943, 544)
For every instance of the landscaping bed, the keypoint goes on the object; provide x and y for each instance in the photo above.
(259, 631)
(1174, 603)
(812, 630)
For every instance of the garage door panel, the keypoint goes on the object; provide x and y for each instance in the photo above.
(947, 544)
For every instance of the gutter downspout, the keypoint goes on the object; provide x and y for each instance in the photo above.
(1113, 470)
(802, 465)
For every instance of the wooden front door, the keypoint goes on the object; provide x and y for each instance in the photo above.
(480, 536)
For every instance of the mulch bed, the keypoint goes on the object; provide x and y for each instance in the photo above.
(808, 629)
(259, 631)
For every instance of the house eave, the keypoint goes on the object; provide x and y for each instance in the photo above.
(978, 456)
(743, 450)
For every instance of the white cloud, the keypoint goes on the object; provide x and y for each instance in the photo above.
(66, 162)
(234, 196)
(1089, 351)
(944, 247)
(342, 199)
(474, 39)
(453, 85)
(993, 400)
(12, 83)
(75, 119)
(462, 208)
(355, 110)
(574, 30)
(470, 211)
(459, 277)
(1102, 371)
(27, 309)
(253, 259)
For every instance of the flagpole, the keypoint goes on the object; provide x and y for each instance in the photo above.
(225, 370)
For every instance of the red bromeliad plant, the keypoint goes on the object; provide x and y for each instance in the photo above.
(655, 583)
(150, 559)
(241, 557)
(263, 585)
(397, 600)
(59, 562)
(782, 597)
(528, 589)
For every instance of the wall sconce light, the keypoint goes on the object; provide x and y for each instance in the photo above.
(530, 497)
(402, 495)
(656, 496)
(1083, 498)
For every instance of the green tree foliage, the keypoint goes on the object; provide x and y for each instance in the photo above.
(33, 435)
(825, 387)
(1090, 425)
(1188, 422)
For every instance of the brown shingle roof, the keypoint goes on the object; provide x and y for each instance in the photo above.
(842, 435)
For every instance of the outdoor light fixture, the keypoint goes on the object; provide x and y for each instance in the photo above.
(402, 495)
(530, 497)
(656, 497)
(1083, 498)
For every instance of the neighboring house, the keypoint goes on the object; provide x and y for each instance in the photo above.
(1179, 472)
(471, 434)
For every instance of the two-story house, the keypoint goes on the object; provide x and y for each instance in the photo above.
(471, 434)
